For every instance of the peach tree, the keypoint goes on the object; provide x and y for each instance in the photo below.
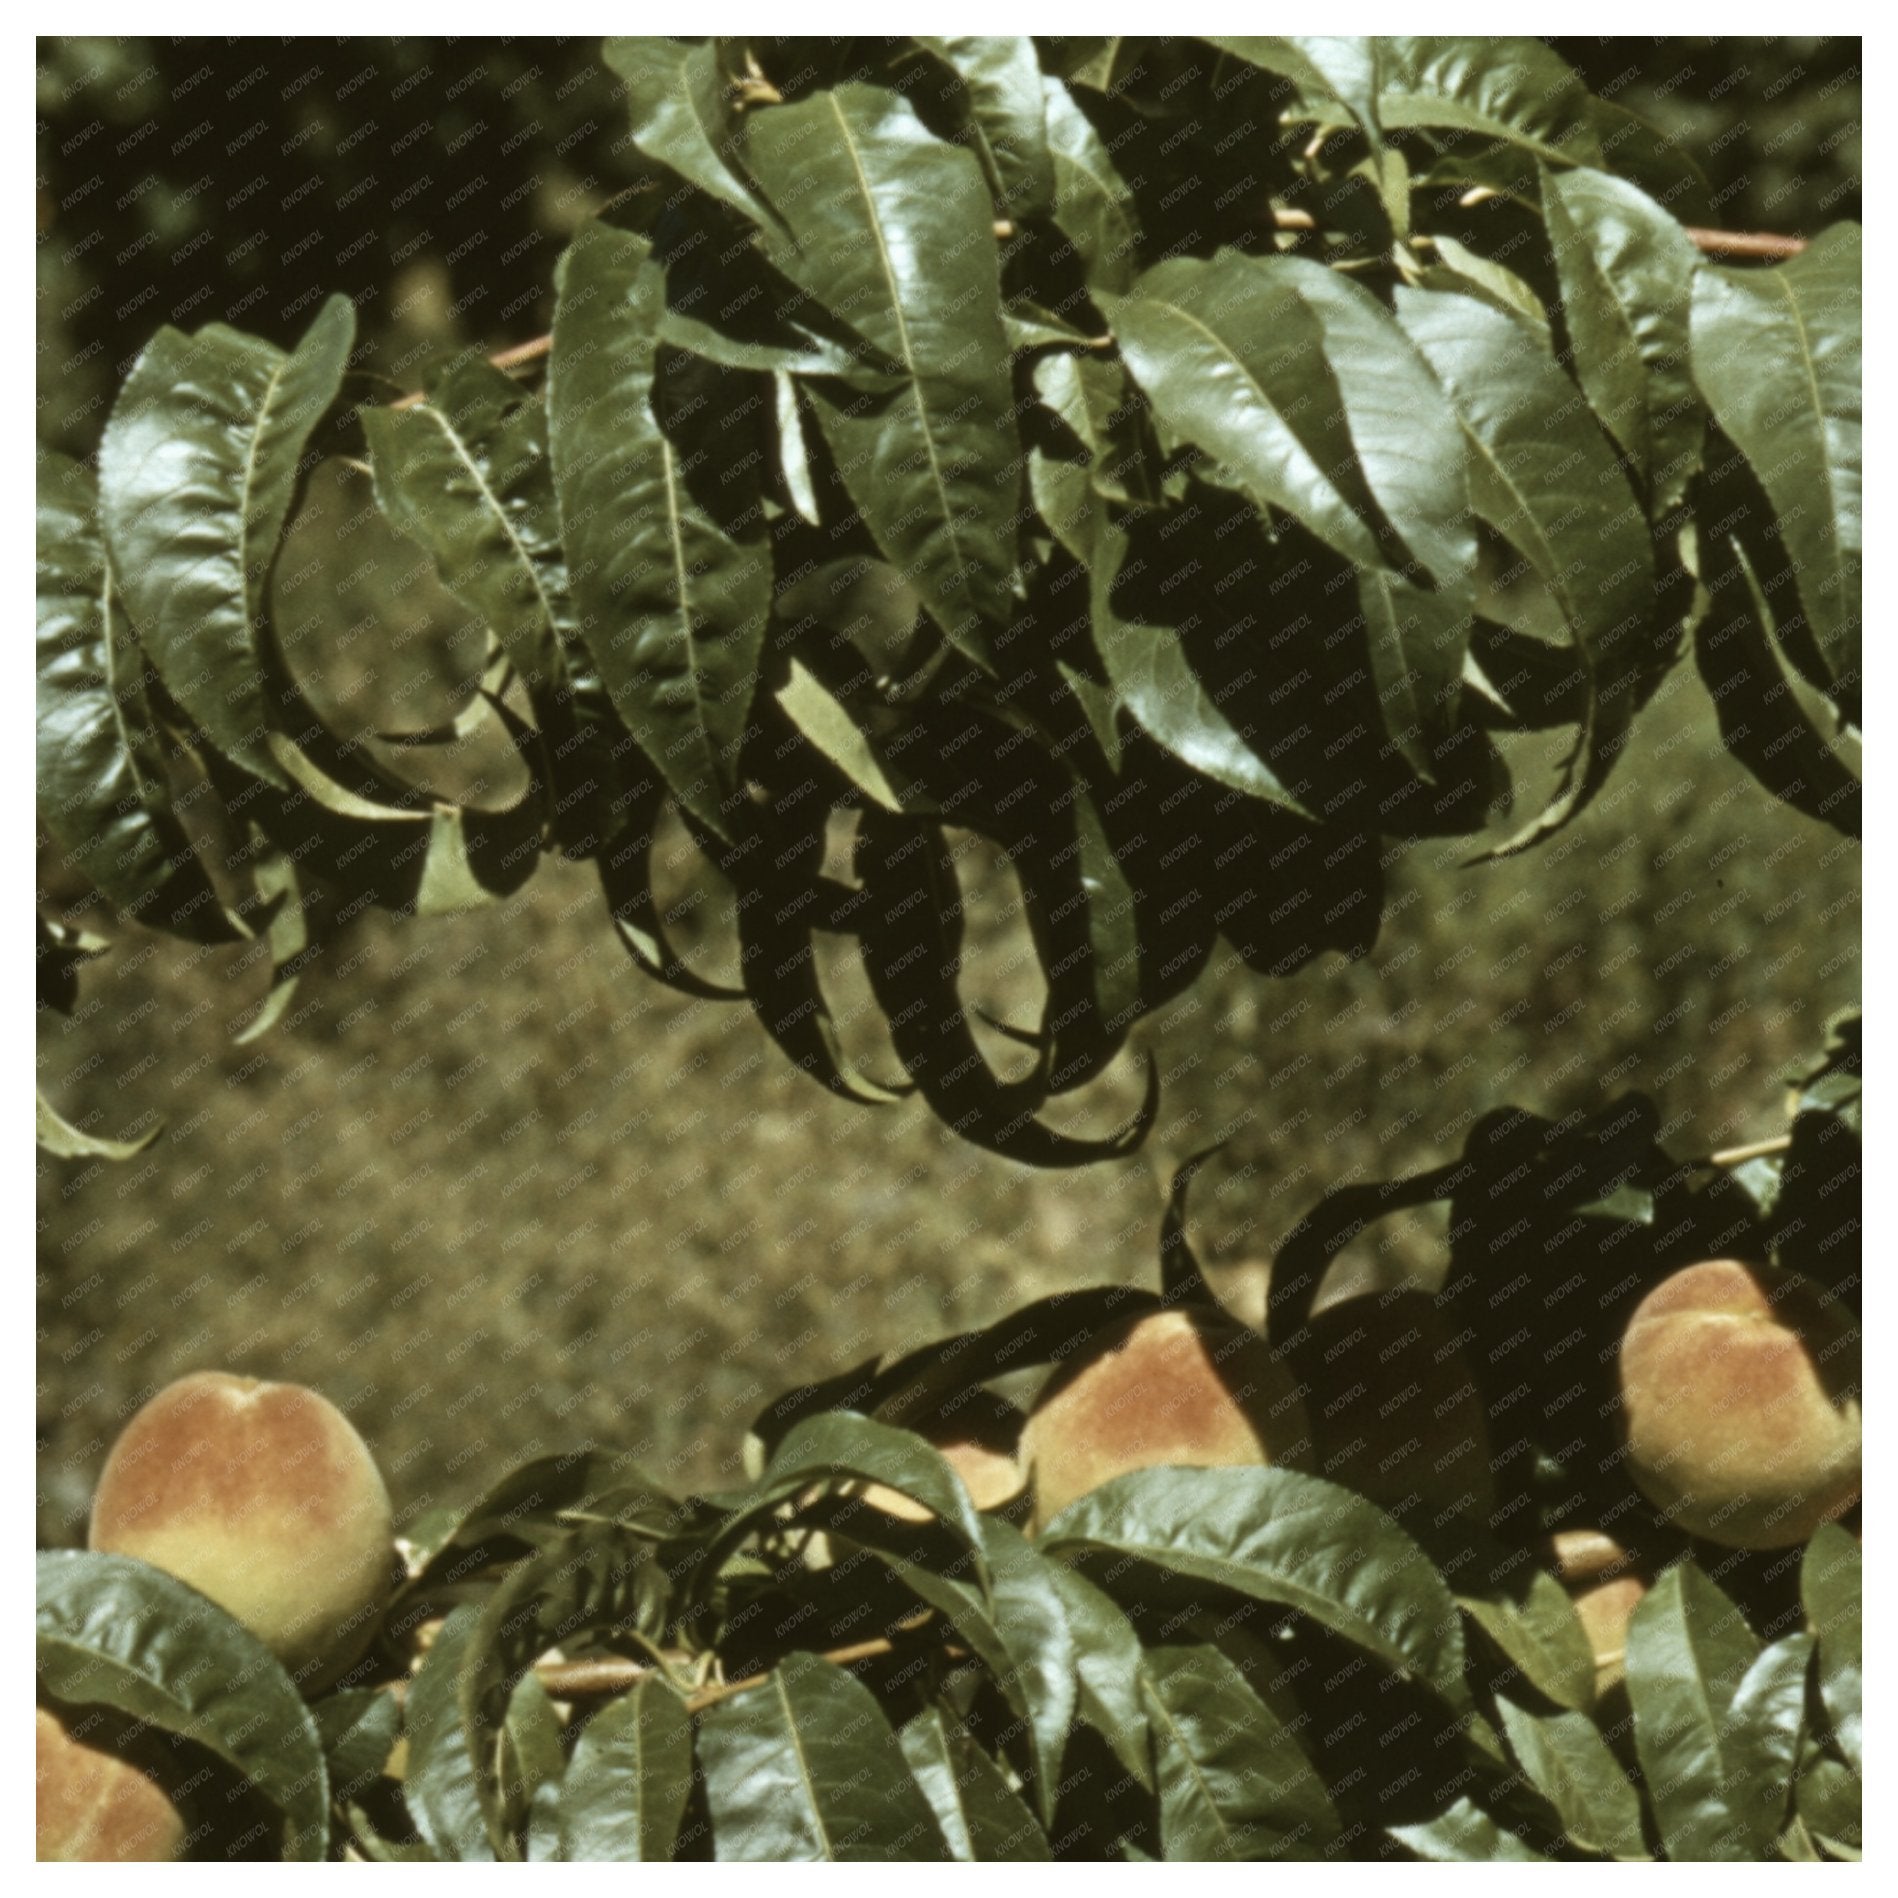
(1179, 463)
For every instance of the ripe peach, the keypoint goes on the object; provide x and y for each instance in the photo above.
(92, 1804)
(263, 1497)
(1740, 1400)
(1182, 1388)
(1394, 1407)
(1606, 1584)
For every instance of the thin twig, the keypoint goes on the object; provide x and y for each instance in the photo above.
(1758, 1150)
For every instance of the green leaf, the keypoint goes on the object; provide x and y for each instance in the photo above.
(442, 1786)
(1281, 1536)
(625, 1792)
(843, 1444)
(1468, 272)
(1515, 90)
(197, 471)
(1689, 1649)
(464, 475)
(1535, 1624)
(1831, 1588)
(1626, 269)
(1769, 1726)
(671, 596)
(982, 1818)
(1465, 1833)
(358, 1728)
(1004, 84)
(1233, 1782)
(1092, 203)
(1571, 1765)
(114, 1630)
(681, 116)
(892, 226)
(1107, 1658)
(1156, 683)
(1831, 1801)
(1777, 355)
(530, 1754)
(1545, 479)
(824, 720)
(100, 781)
(1312, 401)
(805, 1767)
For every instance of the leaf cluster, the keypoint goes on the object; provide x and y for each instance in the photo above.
(1183, 463)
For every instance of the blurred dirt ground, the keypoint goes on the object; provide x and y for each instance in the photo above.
(496, 1193)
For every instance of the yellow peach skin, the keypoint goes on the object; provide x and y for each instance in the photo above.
(90, 1805)
(263, 1497)
(1182, 1388)
(1740, 1402)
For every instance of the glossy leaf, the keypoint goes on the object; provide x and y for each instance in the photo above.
(1313, 402)
(1689, 1649)
(893, 226)
(1512, 89)
(442, 1786)
(1554, 494)
(804, 1767)
(981, 1816)
(358, 1726)
(1627, 274)
(1004, 84)
(197, 471)
(464, 475)
(117, 1631)
(1465, 1833)
(1233, 1781)
(1280, 1536)
(625, 1790)
(681, 116)
(671, 599)
(1092, 202)
(1571, 1765)
(1107, 1667)
(1777, 355)
(100, 779)
(1831, 1585)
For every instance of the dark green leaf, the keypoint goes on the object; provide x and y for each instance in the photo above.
(982, 1818)
(442, 1786)
(114, 1630)
(1107, 1664)
(1544, 478)
(1465, 1833)
(625, 1792)
(100, 776)
(1831, 1800)
(1571, 1765)
(1777, 355)
(197, 470)
(1004, 83)
(1280, 1536)
(671, 596)
(358, 1727)
(1233, 1782)
(805, 1767)
(682, 116)
(1689, 1649)
(1313, 402)
(1627, 275)
(1092, 202)
(1831, 1587)
(894, 227)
